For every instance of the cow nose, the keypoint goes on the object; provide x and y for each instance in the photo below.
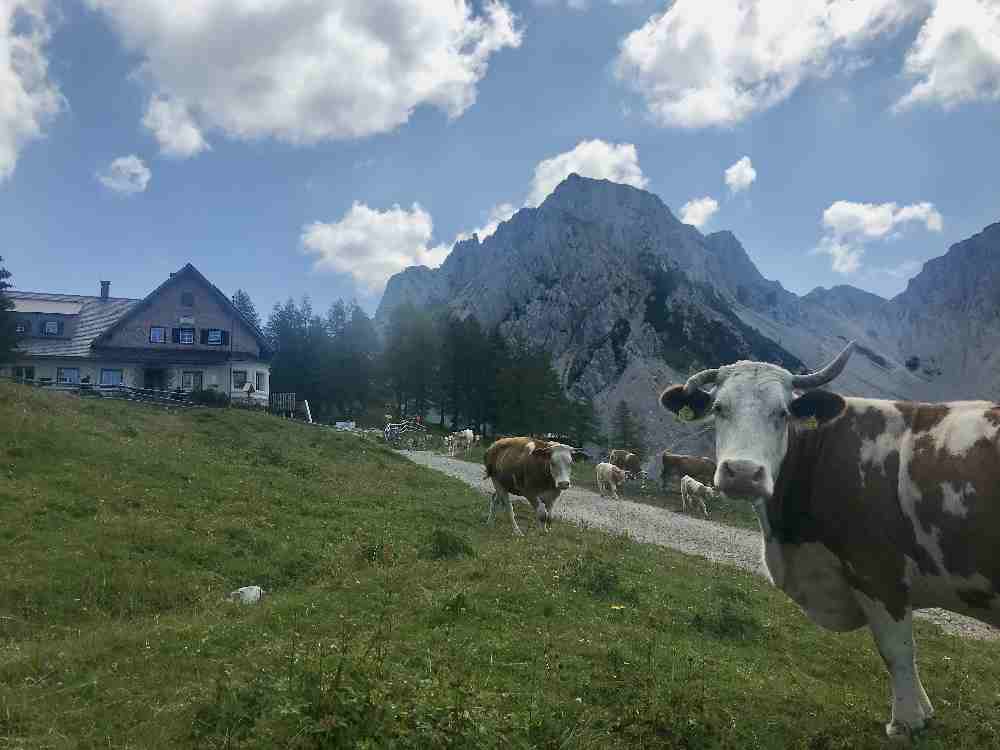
(562, 485)
(738, 477)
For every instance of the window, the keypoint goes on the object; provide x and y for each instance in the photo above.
(112, 377)
(187, 299)
(214, 337)
(261, 383)
(70, 375)
(157, 335)
(239, 379)
(51, 328)
(187, 336)
(24, 373)
(21, 327)
(192, 380)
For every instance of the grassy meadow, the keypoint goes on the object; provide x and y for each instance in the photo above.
(394, 617)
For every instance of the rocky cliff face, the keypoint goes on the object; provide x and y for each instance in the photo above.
(627, 299)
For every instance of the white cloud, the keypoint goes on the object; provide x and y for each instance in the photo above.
(126, 174)
(304, 71)
(850, 226)
(956, 55)
(741, 175)
(698, 211)
(28, 99)
(618, 162)
(171, 123)
(705, 63)
(372, 245)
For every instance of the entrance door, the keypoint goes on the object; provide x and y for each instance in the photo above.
(154, 378)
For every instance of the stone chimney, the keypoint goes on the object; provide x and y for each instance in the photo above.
(105, 289)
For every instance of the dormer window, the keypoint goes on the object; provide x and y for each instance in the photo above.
(20, 328)
(50, 328)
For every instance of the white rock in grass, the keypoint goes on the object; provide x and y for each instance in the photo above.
(247, 595)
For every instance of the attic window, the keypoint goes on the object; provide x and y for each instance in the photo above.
(187, 299)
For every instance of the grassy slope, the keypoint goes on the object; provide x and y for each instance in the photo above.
(724, 511)
(123, 526)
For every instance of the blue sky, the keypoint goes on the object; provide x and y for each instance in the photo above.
(283, 151)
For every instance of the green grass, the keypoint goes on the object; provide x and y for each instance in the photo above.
(722, 510)
(394, 617)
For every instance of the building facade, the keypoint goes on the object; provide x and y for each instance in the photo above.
(185, 335)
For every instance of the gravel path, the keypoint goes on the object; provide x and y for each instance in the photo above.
(645, 523)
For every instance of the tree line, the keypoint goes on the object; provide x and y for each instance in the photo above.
(426, 363)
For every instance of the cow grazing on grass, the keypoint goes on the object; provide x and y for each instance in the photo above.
(609, 479)
(630, 463)
(677, 465)
(536, 470)
(869, 509)
(693, 491)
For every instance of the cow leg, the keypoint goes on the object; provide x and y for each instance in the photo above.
(911, 708)
(492, 511)
(541, 514)
(513, 519)
(704, 508)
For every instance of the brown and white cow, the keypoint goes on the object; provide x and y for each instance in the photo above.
(537, 470)
(677, 464)
(630, 463)
(869, 509)
(609, 478)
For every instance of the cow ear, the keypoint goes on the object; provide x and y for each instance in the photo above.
(823, 405)
(691, 407)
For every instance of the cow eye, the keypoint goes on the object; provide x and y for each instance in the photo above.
(718, 408)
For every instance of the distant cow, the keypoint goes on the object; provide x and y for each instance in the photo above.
(631, 463)
(609, 478)
(536, 470)
(461, 441)
(694, 491)
(676, 464)
(869, 508)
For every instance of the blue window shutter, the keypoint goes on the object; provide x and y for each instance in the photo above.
(175, 335)
(204, 336)
(61, 326)
(225, 338)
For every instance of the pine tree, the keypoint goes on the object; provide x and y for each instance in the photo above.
(243, 303)
(628, 432)
(8, 335)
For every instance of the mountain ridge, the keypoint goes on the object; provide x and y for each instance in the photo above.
(627, 299)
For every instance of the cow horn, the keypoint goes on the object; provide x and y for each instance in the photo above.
(828, 373)
(699, 379)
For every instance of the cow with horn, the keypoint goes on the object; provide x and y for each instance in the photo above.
(869, 508)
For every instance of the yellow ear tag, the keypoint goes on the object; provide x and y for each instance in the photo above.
(686, 414)
(811, 423)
